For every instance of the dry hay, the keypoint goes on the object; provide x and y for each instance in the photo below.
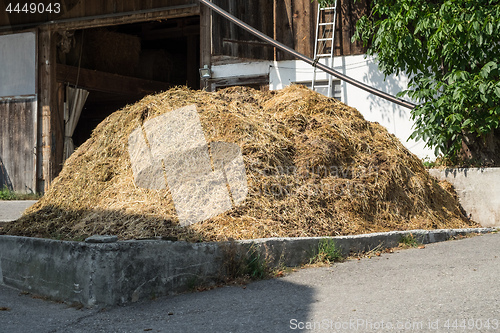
(315, 168)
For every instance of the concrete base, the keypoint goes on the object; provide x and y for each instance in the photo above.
(478, 192)
(112, 273)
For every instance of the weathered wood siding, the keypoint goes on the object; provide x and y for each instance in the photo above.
(84, 8)
(349, 13)
(291, 22)
(17, 145)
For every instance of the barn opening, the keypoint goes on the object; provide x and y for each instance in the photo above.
(120, 64)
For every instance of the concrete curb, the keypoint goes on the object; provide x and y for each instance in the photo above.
(120, 272)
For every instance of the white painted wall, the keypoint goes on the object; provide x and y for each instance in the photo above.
(394, 117)
(477, 191)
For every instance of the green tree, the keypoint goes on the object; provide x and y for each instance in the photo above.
(325, 3)
(451, 51)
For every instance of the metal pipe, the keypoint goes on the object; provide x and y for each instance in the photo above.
(302, 57)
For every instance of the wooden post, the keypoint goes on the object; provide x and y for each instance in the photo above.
(205, 40)
(47, 108)
(275, 28)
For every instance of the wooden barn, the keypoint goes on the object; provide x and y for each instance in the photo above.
(63, 71)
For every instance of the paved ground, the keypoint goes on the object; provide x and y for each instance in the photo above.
(12, 210)
(437, 289)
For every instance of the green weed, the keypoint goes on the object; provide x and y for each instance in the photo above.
(256, 266)
(240, 262)
(7, 194)
(327, 252)
(429, 164)
(408, 241)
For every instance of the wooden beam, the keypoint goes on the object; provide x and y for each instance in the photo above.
(127, 19)
(261, 80)
(205, 38)
(47, 109)
(59, 125)
(275, 29)
(107, 82)
(249, 42)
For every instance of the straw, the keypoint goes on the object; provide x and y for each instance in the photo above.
(315, 167)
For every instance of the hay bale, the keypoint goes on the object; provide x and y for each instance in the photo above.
(315, 167)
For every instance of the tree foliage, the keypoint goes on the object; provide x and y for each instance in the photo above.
(325, 3)
(451, 51)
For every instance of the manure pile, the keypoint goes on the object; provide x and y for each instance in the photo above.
(315, 167)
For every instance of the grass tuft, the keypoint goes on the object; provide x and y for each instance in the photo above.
(408, 241)
(327, 252)
(239, 262)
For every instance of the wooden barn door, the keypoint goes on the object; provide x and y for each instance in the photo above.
(18, 111)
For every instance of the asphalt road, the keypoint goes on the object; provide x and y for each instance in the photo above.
(446, 287)
(12, 210)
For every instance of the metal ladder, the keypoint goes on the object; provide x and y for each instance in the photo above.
(326, 27)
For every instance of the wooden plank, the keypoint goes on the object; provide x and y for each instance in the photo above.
(109, 6)
(266, 17)
(17, 145)
(252, 17)
(346, 17)
(360, 8)
(25, 153)
(5, 121)
(260, 80)
(248, 15)
(285, 27)
(71, 9)
(248, 42)
(227, 60)
(127, 19)
(233, 33)
(115, 18)
(107, 82)
(60, 133)
(92, 8)
(275, 28)
(302, 26)
(216, 30)
(338, 31)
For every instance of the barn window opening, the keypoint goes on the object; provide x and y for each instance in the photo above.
(18, 68)
(119, 65)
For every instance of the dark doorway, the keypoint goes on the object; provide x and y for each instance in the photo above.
(119, 65)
